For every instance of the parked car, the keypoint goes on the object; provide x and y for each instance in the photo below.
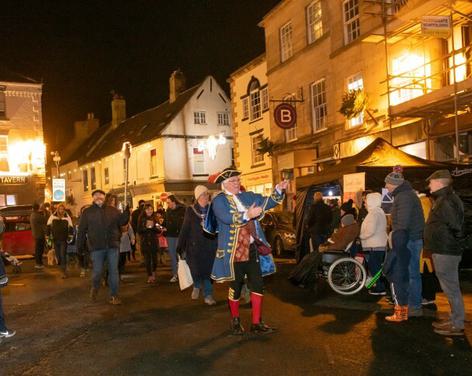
(17, 238)
(279, 231)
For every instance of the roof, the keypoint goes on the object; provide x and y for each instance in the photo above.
(137, 129)
(249, 65)
(379, 154)
(7, 75)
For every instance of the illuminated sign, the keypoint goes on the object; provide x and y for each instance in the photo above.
(13, 180)
(58, 190)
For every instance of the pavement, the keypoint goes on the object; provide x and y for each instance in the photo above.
(160, 331)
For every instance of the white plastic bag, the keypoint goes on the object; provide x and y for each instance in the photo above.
(185, 277)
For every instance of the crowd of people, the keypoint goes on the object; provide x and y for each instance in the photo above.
(398, 240)
(222, 240)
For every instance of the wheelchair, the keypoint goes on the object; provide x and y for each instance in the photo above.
(345, 274)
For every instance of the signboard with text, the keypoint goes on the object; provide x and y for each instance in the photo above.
(59, 190)
(285, 116)
(353, 183)
(436, 26)
(13, 179)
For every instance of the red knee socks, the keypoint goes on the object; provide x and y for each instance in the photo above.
(234, 307)
(256, 301)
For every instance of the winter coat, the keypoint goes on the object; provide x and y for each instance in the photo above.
(343, 237)
(100, 227)
(38, 224)
(148, 235)
(374, 227)
(60, 228)
(407, 213)
(135, 216)
(127, 238)
(443, 229)
(195, 245)
(173, 220)
(319, 219)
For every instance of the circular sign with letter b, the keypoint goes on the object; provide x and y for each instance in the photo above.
(285, 116)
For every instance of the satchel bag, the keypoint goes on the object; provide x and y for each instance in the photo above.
(262, 248)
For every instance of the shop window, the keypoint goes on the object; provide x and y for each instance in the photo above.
(11, 200)
(198, 162)
(314, 21)
(106, 175)
(286, 48)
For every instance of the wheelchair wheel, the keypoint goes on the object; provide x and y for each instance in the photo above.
(347, 276)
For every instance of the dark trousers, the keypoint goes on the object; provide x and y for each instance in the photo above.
(375, 260)
(60, 247)
(39, 245)
(122, 261)
(252, 270)
(3, 328)
(150, 259)
(84, 260)
(401, 277)
(430, 284)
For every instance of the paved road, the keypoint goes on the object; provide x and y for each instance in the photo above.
(160, 331)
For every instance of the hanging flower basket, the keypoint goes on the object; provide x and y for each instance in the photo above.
(266, 146)
(354, 102)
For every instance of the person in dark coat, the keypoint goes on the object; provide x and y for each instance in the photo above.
(174, 218)
(134, 225)
(38, 223)
(442, 237)
(148, 229)
(319, 221)
(197, 247)
(348, 232)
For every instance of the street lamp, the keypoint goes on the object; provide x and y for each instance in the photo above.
(56, 158)
(126, 149)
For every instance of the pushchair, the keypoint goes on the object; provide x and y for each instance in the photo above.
(9, 259)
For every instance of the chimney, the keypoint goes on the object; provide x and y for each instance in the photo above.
(176, 85)
(118, 110)
(84, 128)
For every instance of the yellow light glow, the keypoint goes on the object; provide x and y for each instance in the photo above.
(27, 156)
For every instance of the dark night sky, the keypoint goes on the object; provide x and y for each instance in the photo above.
(82, 50)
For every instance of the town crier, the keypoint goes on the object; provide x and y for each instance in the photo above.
(243, 250)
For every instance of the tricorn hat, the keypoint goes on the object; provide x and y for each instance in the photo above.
(223, 175)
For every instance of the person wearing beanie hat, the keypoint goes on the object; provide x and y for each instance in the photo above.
(197, 247)
(199, 190)
(242, 247)
(348, 232)
(348, 208)
(407, 242)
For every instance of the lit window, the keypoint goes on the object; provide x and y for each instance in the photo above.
(286, 50)
(198, 162)
(265, 98)
(4, 153)
(320, 109)
(245, 103)
(223, 118)
(314, 22)
(352, 27)
(199, 117)
(257, 156)
(11, 200)
(85, 180)
(153, 162)
(69, 175)
(3, 201)
(355, 83)
(462, 34)
(409, 80)
(106, 173)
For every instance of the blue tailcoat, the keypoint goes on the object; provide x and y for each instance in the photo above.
(224, 218)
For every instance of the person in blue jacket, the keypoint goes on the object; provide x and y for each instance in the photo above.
(242, 249)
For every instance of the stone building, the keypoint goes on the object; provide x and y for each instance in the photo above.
(22, 149)
(251, 125)
(400, 84)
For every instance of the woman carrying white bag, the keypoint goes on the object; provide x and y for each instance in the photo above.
(197, 249)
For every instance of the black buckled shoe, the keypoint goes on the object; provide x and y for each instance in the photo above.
(236, 327)
(262, 328)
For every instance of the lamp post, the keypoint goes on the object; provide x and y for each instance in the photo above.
(56, 158)
(126, 149)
